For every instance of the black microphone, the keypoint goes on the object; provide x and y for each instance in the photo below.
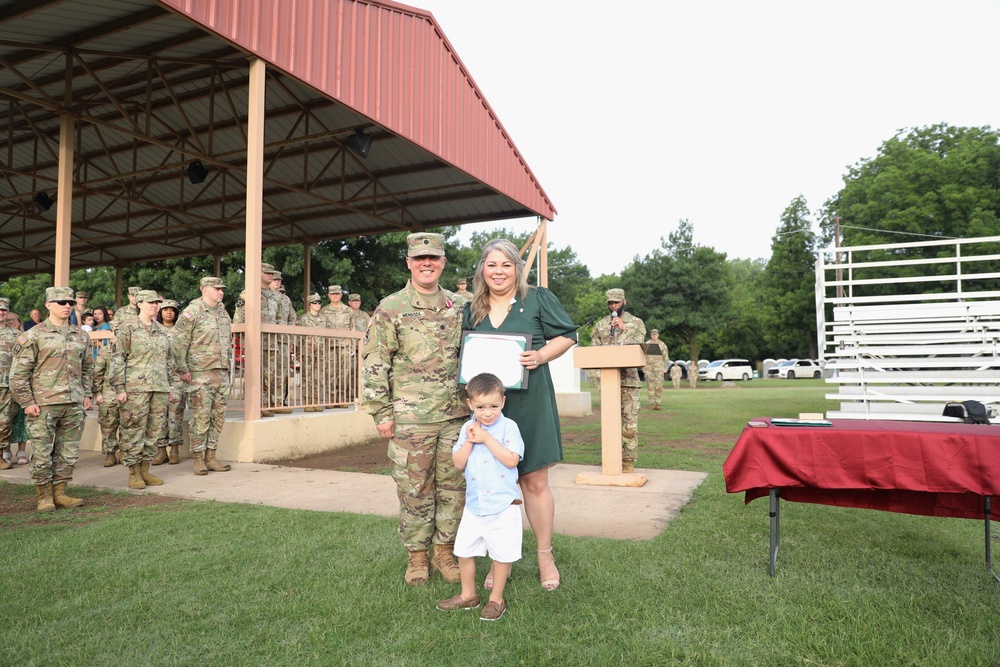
(614, 314)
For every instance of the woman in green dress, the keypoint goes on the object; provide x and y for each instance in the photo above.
(503, 302)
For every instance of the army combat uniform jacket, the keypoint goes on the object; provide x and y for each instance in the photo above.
(634, 332)
(52, 366)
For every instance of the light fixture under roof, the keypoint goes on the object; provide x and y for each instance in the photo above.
(43, 202)
(196, 172)
(360, 142)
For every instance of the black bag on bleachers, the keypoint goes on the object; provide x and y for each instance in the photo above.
(973, 412)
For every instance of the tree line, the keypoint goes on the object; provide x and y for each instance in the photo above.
(930, 182)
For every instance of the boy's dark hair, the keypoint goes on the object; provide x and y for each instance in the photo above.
(483, 384)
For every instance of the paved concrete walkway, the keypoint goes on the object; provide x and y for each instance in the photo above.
(614, 512)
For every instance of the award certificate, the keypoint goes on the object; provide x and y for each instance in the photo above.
(496, 353)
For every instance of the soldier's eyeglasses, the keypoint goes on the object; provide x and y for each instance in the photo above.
(66, 303)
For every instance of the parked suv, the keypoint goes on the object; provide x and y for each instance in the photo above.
(793, 368)
(727, 369)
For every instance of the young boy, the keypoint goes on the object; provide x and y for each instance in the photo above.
(488, 449)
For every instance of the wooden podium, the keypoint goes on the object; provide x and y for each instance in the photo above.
(610, 359)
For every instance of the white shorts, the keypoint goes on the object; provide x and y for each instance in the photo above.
(497, 535)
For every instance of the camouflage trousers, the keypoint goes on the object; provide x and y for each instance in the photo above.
(54, 436)
(676, 379)
(339, 382)
(630, 423)
(654, 386)
(274, 376)
(431, 489)
(208, 395)
(144, 421)
(176, 401)
(314, 391)
(109, 418)
(8, 412)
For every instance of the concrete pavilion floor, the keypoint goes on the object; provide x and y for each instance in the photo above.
(624, 513)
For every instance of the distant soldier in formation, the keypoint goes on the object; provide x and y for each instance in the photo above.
(463, 295)
(312, 360)
(8, 407)
(676, 373)
(127, 314)
(622, 328)
(274, 363)
(692, 369)
(51, 377)
(655, 366)
(286, 311)
(411, 391)
(168, 448)
(339, 315)
(108, 415)
(141, 367)
(202, 352)
(359, 318)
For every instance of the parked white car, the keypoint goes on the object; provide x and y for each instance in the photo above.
(796, 368)
(727, 369)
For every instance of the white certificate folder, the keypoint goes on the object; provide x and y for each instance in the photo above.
(496, 353)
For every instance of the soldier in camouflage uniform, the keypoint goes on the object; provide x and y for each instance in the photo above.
(359, 318)
(411, 390)
(463, 295)
(108, 414)
(676, 373)
(127, 314)
(8, 407)
(339, 315)
(51, 377)
(623, 329)
(655, 365)
(312, 361)
(286, 311)
(274, 359)
(201, 347)
(140, 375)
(168, 447)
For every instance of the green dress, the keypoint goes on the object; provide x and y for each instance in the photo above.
(534, 409)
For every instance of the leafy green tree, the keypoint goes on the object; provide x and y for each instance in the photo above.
(788, 295)
(743, 335)
(683, 286)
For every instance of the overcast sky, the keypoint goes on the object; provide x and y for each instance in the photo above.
(634, 115)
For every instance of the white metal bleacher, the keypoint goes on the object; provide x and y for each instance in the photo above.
(935, 339)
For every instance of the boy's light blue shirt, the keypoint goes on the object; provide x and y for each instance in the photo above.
(490, 486)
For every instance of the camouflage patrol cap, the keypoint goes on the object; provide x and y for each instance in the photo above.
(148, 296)
(462, 281)
(333, 288)
(281, 288)
(275, 275)
(82, 295)
(59, 294)
(425, 243)
(315, 298)
(133, 290)
(212, 281)
(354, 297)
(654, 331)
(4, 303)
(266, 268)
(169, 303)
(615, 295)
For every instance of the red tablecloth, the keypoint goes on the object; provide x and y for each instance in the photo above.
(935, 469)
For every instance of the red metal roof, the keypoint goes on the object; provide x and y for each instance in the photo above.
(389, 62)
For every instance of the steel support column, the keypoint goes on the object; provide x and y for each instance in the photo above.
(64, 201)
(254, 221)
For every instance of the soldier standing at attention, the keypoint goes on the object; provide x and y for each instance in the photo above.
(286, 312)
(127, 314)
(8, 408)
(359, 318)
(51, 377)
(312, 360)
(108, 414)
(621, 328)
(202, 349)
(140, 376)
(463, 295)
(655, 365)
(168, 448)
(411, 390)
(274, 366)
(339, 315)
(676, 373)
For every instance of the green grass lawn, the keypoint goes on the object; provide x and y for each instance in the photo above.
(212, 584)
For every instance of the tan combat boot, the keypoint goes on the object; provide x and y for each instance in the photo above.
(444, 562)
(628, 466)
(110, 460)
(173, 457)
(149, 478)
(417, 571)
(120, 456)
(60, 498)
(214, 464)
(5, 465)
(135, 477)
(199, 463)
(45, 503)
(282, 411)
(161, 456)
